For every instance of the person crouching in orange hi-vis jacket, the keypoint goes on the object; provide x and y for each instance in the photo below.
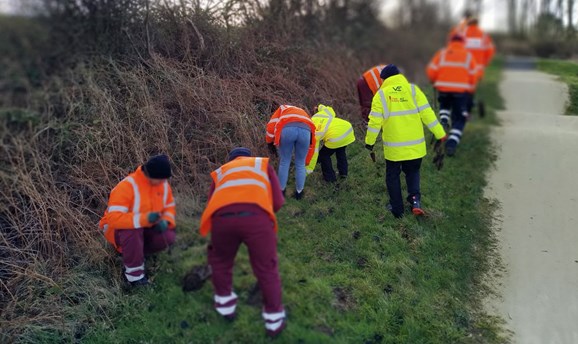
(453, 72)
(140, 217)
(367, 86)
(243, 200)
(291, 129)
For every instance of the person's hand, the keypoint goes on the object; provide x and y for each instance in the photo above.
(272, 149)
(162, 226)
(369, 147)
(466, 115)
(443, 139)
(153, 217)
(308, 171)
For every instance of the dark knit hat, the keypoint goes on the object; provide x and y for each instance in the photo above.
(158, 167)
(389, 70)
(239, 151)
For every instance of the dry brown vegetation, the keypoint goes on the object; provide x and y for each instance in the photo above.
(77, 117)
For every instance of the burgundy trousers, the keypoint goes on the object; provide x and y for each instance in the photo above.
(136, 243)
(365, 98)
(254, 229)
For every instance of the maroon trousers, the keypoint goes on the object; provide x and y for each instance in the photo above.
(136, 243)
(365, 98)
(248, 224)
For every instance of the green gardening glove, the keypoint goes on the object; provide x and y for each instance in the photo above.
(162, 226)
(153, 217)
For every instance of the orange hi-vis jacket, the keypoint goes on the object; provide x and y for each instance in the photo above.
(286, 114)
(479, 44)
(242, 180)
(130, 202)
(373, 79)
(453, 69)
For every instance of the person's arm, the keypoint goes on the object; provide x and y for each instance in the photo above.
(169, 207)
(119, 204)
(270, 137)
(432, 69)
(211, 190)
(427, 115)
(278, 199)
(376, 118)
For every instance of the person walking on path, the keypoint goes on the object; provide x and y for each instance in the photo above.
(291, 129)
(367, 86)
(333, 135)
(243, 199)
(140, 217)
(453, 71)
(400, 110)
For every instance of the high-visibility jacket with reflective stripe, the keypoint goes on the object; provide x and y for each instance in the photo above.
(130, 202)
(373, 79)
(479, 44)
(243, 180)
(330, 131)
(453, 69)
(399, 109)
(286, 114)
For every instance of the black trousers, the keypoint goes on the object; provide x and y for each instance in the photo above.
(392, 172)
(327, 166)
(458, 103)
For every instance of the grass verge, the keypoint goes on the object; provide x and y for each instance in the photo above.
(568, 73)
(351, 273)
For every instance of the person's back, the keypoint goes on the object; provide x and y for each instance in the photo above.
(367, 85)
(453, 69)
(478, 43)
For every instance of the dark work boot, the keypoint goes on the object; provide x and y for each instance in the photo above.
(390, 208)
(415, 205)
(298, 195)
(450, 150)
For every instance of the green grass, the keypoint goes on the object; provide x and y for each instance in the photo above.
(568, 73)
(351, 273)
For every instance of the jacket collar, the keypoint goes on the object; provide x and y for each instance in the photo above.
(394, 80)
(456, 45)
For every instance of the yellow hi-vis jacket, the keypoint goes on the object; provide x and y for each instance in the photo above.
(334, 132)
(399, 109)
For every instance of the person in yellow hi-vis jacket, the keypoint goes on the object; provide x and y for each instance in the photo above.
(335, 134)
(399, 109)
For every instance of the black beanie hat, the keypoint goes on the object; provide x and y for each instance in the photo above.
(389, 70)
(158, 167)
(239, 151)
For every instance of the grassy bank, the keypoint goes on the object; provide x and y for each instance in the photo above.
(351, 273)
(568, 73)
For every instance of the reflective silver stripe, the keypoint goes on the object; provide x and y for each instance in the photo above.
(320, 116)
(375, 114)
(433, 124)
(241, 182)
(105, 229)
(337, 139)
(136, 194)
(404, 112)
(136, 220)
(274, 326)
(445, 112)
(405, 143)
(274, 316)
(270, 135)
(330, 116)
(453, 84)
(226, 310)
(136, 268)
(433, 66)
(423, 107)
(372, 72)
(444, 63)
(373, 130)
(224, 299)
(383, 104)
(118, 208)
(456, 131)
(170, 205)
(296, 116)
(132, 278)
(165, 194)
(166, 213)
(273, 120)
(221, 175)
(455, 138)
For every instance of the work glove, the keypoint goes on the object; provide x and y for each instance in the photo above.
(272, 149)
(443, 139)
(369, 147)
(162, 226)
(153, 217)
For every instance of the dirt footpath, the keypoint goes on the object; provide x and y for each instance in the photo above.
(536, 182)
